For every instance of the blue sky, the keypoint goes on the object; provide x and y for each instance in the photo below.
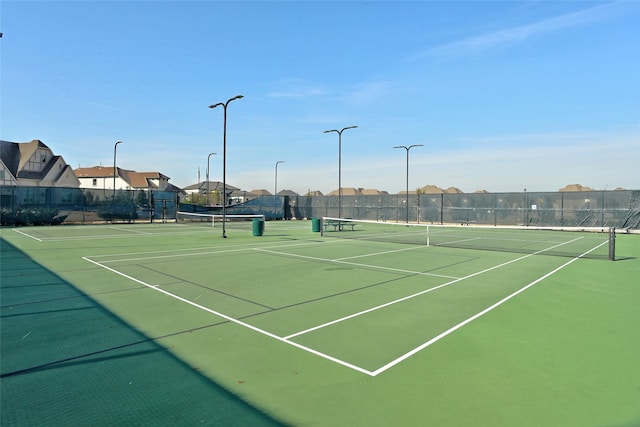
(503, 95)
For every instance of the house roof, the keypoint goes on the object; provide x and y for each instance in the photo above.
(16, 154)
(453, 190)
(27, 149)
(373, 192)
(431, 189)
(261, 192)
(94, 172)
(347, 191)
(213, 186)
(10, 155)
(135, 179)
(575, 187)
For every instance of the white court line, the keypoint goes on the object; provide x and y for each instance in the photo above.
(27, 235)
(113, 236)
(132, 230)
(249, 247)
(413, 248)
(387, 366)
(475, 316)
(351, 316)
(231, 319)
(355, 264)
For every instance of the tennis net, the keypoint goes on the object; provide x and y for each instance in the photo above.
(215, 220)
(596, 243)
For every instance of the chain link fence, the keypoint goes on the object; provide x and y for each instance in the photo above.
(620, 208)
(616, 208)
(54, 205)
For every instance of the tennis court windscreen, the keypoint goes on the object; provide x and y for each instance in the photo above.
(596, 243)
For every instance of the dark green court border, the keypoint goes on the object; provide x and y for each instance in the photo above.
(66, 360)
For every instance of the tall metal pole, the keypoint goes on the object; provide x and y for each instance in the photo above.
(275, 191)
(224, 162)
(115, 147)
(208, 158)
(339, 132)
(408, 148)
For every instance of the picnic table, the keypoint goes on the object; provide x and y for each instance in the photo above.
(338, 225)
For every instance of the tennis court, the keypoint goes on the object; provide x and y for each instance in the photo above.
(169, 324)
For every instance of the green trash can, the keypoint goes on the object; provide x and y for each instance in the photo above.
(258, 227)
(316, 227)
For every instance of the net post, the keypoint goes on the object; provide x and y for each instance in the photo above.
(428, 228)
(322, 226)
(612, 244)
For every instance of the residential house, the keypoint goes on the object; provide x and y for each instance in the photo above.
(432, 189)
(347, 191)
(373, 192)
(213, 188)
(289, 193)
(33, 164)
(102, 178)
(574, 187)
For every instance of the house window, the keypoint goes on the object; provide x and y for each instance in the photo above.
(95, 182)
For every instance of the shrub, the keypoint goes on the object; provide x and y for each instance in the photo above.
(30, 216)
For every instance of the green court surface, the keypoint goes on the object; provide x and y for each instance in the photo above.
(170, 324)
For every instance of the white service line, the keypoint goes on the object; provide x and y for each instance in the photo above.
(129, 230)
(355, 264)
(412, 248)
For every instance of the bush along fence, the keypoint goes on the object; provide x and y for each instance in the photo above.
(49, 205)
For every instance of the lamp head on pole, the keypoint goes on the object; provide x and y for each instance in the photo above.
(339, 132)
(225, 103)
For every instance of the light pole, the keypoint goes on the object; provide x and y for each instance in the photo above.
(408, 148)
(224, 161)
(275, 191)
(339, 132)
(208, 158)
(115, 147)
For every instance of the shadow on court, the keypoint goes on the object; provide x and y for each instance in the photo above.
(66, 360)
